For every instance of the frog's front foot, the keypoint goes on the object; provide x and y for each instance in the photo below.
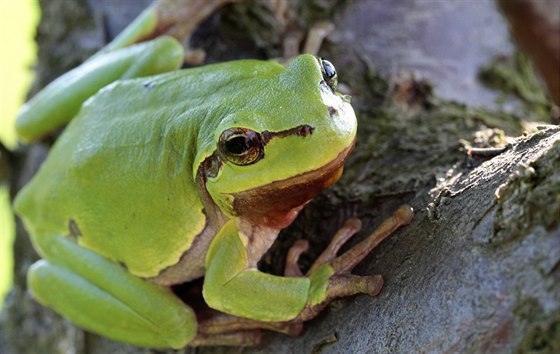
(338, 268)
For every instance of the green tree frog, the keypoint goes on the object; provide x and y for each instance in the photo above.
(163, 176)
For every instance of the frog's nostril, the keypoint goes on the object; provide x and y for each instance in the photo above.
(74, 229)
(305, 130)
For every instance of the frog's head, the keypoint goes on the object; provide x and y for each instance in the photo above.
(286, 143)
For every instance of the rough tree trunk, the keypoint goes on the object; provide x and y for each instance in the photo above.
(478, 270)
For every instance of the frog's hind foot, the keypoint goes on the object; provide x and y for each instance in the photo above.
(223, 329)
(237, 339)
(180, 18)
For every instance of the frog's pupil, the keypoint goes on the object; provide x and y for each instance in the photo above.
(238, 145)
(329, 69)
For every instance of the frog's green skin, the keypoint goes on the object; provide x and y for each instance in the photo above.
(137, 194)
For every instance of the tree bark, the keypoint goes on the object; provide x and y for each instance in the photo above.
(478, 270)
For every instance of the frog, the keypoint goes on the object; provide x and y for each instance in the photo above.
(165, 176)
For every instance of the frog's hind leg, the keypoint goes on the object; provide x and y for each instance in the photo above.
(103, 297)
(60, 101)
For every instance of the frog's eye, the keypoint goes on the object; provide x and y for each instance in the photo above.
(241, 146)
(329, 73)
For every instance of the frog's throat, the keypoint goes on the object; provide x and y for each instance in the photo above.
(277, 204)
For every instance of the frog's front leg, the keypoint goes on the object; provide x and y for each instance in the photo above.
(101, 296)
(232, 285)
(235, 287)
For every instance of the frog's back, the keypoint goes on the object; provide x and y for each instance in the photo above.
(120, 178)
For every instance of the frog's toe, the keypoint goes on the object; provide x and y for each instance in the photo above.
(291, 269)
(349, 284)
(350, 228)
(347, 261)
(180, 19)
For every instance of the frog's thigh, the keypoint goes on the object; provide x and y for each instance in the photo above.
(61, 100)
(103, 297)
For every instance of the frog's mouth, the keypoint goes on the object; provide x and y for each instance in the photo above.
(277, 204)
